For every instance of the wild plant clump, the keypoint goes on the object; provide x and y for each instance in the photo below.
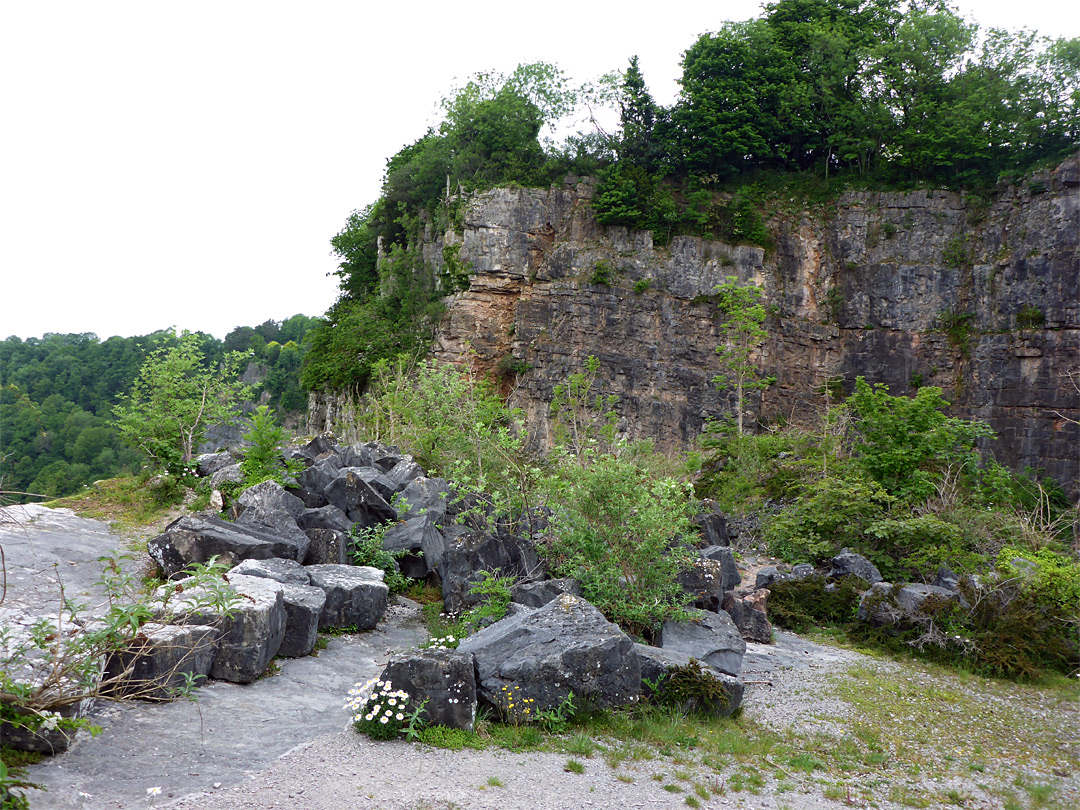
(382, 712)
(691, 689)
(366, 548)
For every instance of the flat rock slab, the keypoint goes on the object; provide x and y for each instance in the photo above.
(185, 748)
(711, 638)
(44, 547)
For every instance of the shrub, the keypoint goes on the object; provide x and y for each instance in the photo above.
(620, 534)
(366, 548)
(262, 459)
(805, 604)
(833, 512)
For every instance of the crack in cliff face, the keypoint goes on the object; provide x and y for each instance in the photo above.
(861, 290)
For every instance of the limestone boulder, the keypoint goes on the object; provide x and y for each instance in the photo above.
(250, 633)
(157, 664)
(196, 538)
(356, 595)
(354, 496)
(328, 547)
(468, 553)
(303, 610)
(711, 638)
(748, 612)
(538, 594)
(423, 496)
(542, 655)
(848, 563)
(443, 680)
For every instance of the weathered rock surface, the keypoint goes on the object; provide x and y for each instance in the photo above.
(283, 571)
(858, 291)
(355, 595)
(542, 655)
(446, 679)
(848, 563)
(470, 552)
(303, 610)
(250, 632)
(354, 496)
(155, 668)
(328, 547)
(887, 604)
(196, 538)
(748, 612)
(711, 638)
(538, 594)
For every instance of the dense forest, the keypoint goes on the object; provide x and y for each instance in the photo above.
(812, 97)
(57, 396)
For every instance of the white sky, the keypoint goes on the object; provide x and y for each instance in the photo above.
(186, 163)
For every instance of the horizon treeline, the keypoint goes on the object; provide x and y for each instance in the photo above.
(57, 393)
(811, 95)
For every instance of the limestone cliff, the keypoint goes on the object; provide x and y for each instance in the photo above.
(977, 295)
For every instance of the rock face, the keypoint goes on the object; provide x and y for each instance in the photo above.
(863, 289)
(544, 654)
(711, 638)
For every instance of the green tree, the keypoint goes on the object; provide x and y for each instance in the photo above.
(744, 335)
(637, 117)
(175, 398)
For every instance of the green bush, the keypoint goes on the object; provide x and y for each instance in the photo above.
(366, 548)
(832, 513)
(262, 458)
(805, 604)
(619, 532)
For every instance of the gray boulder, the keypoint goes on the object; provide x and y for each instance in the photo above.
(423, 496)
(311, 483)
(748, 611)
(848, 563)
(538, 594)
(231, 474)
(354, 496)
(328, 547)
(325, 517)
(468, 553)
(155, 665)
(250, 633)
(357, 455)
(269, 498)
(726, 557)
(196, 538)
(378, 481)
(43, 740)
(802, 571)
(713, 526)
(303, 609)
(209, 463)
(318, 448)
(287, 572)
(711, 638)
(404, 472)
(445, 679)
(423, 543)
(542, 655)
(886, 604)
(657, 665)
(355, 595)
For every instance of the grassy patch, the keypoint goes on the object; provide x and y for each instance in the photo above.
(128, 503)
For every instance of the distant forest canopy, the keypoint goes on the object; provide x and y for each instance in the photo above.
(812, 95)
(57, 394)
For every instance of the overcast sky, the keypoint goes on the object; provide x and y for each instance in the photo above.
(186, 163)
